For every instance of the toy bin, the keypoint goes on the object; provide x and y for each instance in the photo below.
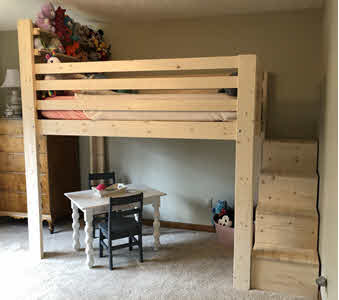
(225, 235)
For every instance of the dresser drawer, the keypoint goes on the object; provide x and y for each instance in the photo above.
(12, 143)
(15, 162)
(11, 127)
(17, 202)
(16, 182)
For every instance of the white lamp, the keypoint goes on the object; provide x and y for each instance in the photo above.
(12, 82)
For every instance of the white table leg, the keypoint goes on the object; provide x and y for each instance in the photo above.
(89, 238)
(75, 226)
(156, 224)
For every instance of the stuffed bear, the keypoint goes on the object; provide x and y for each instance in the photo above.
(45, 18)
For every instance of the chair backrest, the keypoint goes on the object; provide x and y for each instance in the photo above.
(107, 178)
(134, 203)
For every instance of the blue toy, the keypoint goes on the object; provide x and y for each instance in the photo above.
(221, 204)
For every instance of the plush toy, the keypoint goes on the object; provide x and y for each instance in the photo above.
(63, 32)
(72, 49)
(56, 45)
(45, 18)
(225, 221)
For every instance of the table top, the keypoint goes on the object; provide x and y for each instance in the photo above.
(89, 199)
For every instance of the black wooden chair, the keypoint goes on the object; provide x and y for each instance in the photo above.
(107, 178)
(119, 226)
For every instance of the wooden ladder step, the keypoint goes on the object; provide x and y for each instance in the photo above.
(291, 192)
(290, 155)
(291, 273)
(284, 231)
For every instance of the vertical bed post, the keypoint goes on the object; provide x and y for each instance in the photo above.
(28, 93)
(247, 147)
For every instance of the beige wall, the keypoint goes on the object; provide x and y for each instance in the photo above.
(192, 172)
(328, 155)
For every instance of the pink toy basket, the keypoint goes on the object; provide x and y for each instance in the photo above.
(225, 235)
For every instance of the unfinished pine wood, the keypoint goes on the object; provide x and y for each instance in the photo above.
(264, 104)
(284, 231)
(217, 102)
(16, 181)
(292, 278)
(210, 82)
(97, 154)
(28, 93)
(287, 220)
(245, 178)
(290, 156)
(144, 129)
(288, 193)
(171, 64)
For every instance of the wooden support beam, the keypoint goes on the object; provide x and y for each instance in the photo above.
(141, 129)
(28, 92)
(207, 82)
(97, 154)
(245, 177)
(170, 64)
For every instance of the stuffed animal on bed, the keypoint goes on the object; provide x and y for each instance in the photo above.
(45, 18)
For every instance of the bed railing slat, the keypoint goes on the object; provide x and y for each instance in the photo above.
(211, 82)
(170, 64)
(169, 102)
(141, 129)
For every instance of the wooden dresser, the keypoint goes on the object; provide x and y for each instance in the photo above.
(59, 167)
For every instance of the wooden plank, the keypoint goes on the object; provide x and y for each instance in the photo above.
(11, 127)
(208, 82)
(171, 64)
(287, 194)
(290, 156)
(23, 215)
(143, 103)
(264, 117)
(97, 154)
(179, 225)
(28, 93)
(15, 162)
(294, 279)
(245, 178)
(142, 129)
(285, 231)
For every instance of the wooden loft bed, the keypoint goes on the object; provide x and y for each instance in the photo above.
(208, 73)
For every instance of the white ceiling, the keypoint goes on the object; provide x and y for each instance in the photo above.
(106, 11)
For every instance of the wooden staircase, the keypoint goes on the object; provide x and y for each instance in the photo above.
(285, 256)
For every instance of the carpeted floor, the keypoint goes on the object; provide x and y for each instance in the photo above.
(190, 265)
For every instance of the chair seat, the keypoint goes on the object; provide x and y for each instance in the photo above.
(120, 226)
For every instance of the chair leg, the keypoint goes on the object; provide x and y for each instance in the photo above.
(94, 226)
(101, 237)
(140, 248)
(130, 243)
(110, 254)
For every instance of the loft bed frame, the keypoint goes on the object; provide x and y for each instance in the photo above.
(185, 74)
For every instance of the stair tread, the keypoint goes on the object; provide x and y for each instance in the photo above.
(295, 255)
(290, 174)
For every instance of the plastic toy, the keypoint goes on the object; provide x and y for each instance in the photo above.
(225, 221)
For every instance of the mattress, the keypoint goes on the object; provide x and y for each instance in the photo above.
(208, 116)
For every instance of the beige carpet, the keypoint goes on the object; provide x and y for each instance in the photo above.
(190, 265)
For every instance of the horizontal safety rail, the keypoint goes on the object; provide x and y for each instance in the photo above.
(170, 64)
